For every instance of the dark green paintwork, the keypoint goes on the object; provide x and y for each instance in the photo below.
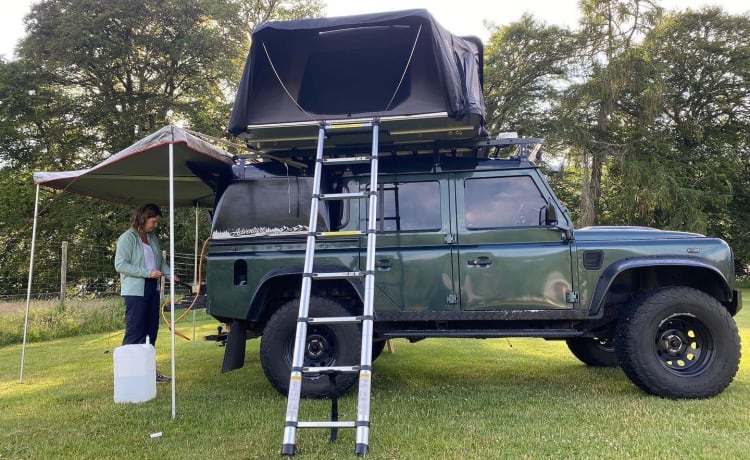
(531, 267)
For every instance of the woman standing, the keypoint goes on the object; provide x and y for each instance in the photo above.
(140, 264)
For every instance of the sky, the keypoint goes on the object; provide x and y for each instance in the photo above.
(464, 17)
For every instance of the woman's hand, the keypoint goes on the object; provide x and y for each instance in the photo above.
(155, 274)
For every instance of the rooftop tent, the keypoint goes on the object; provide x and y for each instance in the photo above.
(402, 67)
(140, 173)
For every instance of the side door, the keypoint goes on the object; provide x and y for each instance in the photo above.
(414, 269)
(508, 257)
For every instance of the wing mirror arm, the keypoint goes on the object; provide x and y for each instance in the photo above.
(567, 233)
(549, 211)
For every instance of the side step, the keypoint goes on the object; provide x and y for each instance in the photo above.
(337, 275)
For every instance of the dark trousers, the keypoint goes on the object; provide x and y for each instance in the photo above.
(142, 315)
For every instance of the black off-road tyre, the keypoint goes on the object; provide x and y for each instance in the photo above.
(593, 351)
(327, 345)
(678, 343)
(377, 348)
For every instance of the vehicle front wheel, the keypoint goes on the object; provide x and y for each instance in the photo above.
(593, 351)
(326, 345)
(678, 342)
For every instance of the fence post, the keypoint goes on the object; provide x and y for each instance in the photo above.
(63, 271)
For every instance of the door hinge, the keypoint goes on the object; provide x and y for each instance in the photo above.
(449, 238)
(572, 297)
(451, 299)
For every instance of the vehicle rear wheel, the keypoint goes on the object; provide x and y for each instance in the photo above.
(678, 342)
(327, 345)
(377, 348)
(593, 351)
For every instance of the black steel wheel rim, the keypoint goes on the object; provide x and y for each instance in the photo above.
(683, 345)
(320, 348)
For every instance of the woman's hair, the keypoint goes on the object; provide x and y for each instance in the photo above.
(142, 214)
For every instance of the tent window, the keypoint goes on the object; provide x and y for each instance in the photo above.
(358, 70)
(354, 81)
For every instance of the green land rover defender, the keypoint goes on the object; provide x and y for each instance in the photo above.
(471, 240)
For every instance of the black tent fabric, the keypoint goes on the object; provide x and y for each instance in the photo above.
(394, 64)
(140, 173)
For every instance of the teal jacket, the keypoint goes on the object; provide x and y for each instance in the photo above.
(131, 264)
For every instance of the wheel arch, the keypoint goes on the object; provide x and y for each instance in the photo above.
(283, 283)
(646, 273)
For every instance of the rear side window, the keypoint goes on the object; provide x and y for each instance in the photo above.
(409, 206)
(495, 202)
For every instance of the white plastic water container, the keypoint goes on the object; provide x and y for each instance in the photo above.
(135, 373)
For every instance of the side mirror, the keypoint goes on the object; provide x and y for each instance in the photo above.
(550, 213)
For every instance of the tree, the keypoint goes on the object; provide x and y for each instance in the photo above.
(254, 12)
(526, 65)
(687, 115)
(133, 65)
(31, 116)
(93, 77)
(608, 29)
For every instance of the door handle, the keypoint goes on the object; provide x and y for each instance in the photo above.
(383, 264)
(481, 261)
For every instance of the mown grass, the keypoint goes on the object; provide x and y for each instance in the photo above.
(436, 399)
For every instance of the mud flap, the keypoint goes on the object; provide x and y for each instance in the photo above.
(234, 354)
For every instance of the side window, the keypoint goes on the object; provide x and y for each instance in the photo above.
(495, 202)
(409, 206)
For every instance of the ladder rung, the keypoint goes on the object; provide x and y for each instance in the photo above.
(338, 275)
(330, 370)
(346, 424)
(344, 196)
(341, 233)
(348, 125)
(335, 320)
(346, 160)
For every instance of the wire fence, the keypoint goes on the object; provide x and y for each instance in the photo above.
(80, 271)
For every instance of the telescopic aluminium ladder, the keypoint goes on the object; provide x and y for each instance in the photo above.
(364, 368)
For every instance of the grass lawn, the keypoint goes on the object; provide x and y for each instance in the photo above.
(435, 399)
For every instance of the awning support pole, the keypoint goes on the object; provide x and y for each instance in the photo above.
(195, 266)
(31, 276)
(172, 266)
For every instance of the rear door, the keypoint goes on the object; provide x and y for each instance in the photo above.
(414, 269)
(507, 257)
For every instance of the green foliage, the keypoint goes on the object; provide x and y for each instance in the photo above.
(134, 65)
(31, 114)
(92, 78)
(682, 165)
(738, 233)
(525, 64)
(653, 115)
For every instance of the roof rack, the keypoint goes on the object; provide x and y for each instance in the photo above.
(520, 148)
